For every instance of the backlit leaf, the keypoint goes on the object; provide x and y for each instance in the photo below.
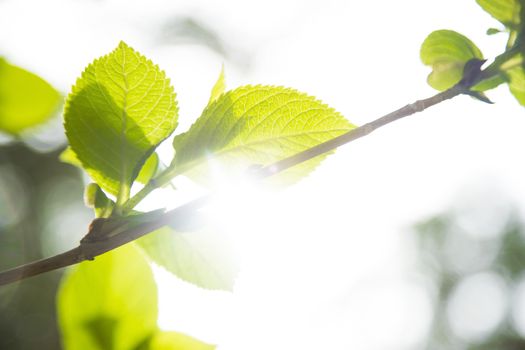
(447, 52)
(119, 110)
(257, 125)
(505, 11)
(26, 100)
(203, 258)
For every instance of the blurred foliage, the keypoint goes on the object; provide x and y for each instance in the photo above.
(449, 254)
(26, 100)
(189, 30)
(27, 191)
(184, 30)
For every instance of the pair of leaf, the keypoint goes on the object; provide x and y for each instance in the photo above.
(448, 52)
(116, 103)
(111, 304)
(26, 100)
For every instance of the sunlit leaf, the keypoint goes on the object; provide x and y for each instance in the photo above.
(258, 125)
(26, 100)
(119, 110)
(203, 258)
(505, 11)
(109, 303)
(447, 52)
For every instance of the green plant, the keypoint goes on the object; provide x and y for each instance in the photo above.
(121, 109)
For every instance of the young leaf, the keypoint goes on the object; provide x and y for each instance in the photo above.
(202, 258)
(26, 100)
(119, 110)
(505, 11)
(447, 52)
(508, 12)
(109, 303)
(258, 125)
(219, 87)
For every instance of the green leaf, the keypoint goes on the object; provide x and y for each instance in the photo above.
(118, 112)
(219, 87)
(505, 11)
(109, 303)
(447, 52)
(202, 258)
(257, 125)
(26, 100)
(508, 12)
(174, 341)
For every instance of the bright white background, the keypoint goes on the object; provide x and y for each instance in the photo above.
(327, 264)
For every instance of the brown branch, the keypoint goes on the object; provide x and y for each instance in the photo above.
(359, 132)
(89, 250)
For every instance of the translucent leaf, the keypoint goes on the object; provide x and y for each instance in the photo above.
(26, 100)
(257, 125)
(109, 303)
(219, 87)
(447, 52)
(505, 11)
(147, 171)
(119, 110)
(203, 258)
